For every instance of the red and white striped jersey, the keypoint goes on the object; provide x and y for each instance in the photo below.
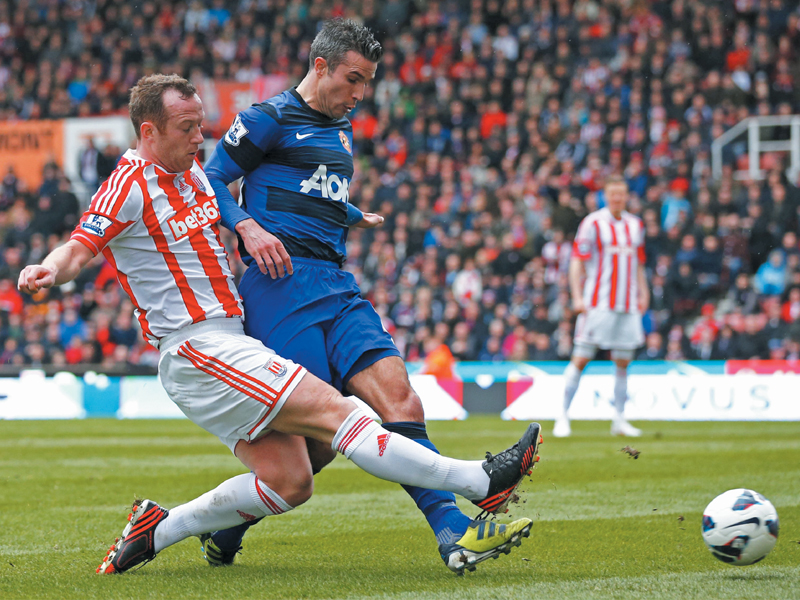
(612, 251)
(160, 232)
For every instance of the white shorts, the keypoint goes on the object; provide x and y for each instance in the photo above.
(608, 330)
(229, 384)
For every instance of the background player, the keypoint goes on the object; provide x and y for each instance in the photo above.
(295, 154)
(156, 222)
(609, 292)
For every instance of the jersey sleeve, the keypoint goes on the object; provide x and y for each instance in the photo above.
(641, 254)
(354, 215)
(252, 134)
(241, 150)
(114, 208)
(584, 241)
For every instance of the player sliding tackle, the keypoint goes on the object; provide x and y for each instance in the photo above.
(155, 219)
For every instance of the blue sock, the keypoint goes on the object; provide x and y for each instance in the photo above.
(444, 517)
(231, 538)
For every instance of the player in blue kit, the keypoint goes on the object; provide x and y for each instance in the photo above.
(294, 152)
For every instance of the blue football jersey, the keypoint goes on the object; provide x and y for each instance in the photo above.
(297, 164)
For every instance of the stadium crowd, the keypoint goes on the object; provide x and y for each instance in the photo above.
(485, 138)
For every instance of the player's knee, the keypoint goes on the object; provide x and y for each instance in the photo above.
(580, 362)
(411, 405)
(332, 403)
(294, 485)
(404, 406)
(330, 410)
(301, 490)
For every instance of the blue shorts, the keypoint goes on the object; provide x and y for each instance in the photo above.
(317, 318)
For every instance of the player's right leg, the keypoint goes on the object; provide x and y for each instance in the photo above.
(581, 355)
(230, 385)
(316, 410)
(619, 424)
(277, 458)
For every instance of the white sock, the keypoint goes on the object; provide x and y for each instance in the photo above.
(572, 378)
(396, 458)
(620, 391)
(239, 499)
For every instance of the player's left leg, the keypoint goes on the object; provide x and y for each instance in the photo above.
(298, 339)
(369, 366)
(624, 334)
(463, 543)
(619, 425)
(385, 387)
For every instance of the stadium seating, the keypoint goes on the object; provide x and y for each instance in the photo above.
(484, 140)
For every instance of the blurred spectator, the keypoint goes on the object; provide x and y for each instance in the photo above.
(708, 263)
(751, 342)
(653, 347)
(72, 326)
(770, 279)
(123, 332)
(10, 299)
(675, 209)
(725, 344)
(467, 284)
(88, 162)
(791, 308)
(439, 360)
(543, 348)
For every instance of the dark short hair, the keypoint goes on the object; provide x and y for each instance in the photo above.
(147, 98)
(338, 37)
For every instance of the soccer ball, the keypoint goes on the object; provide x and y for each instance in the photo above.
(740, 527)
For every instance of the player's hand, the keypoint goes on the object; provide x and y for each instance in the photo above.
(369, 221)
(644, 303)
(265, 248)
(578, 306)
(34, 278)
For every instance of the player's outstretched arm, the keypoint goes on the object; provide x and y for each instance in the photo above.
(644, 290)
(576, 273)
(60, 266)
(221, 170)
(368, 221)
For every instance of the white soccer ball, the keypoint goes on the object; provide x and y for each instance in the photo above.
(740, 527)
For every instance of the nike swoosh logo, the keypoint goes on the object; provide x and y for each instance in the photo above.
(304, 136)
(754, 520)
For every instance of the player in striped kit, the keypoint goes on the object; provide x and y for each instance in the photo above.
(609, 293)
(156, 220)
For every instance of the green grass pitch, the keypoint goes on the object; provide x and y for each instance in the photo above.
(605, 525)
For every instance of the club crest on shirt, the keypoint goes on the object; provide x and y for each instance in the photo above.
(96, 225)
(275, 367)
(345, 141)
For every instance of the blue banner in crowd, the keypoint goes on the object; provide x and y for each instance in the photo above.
(473, 371)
